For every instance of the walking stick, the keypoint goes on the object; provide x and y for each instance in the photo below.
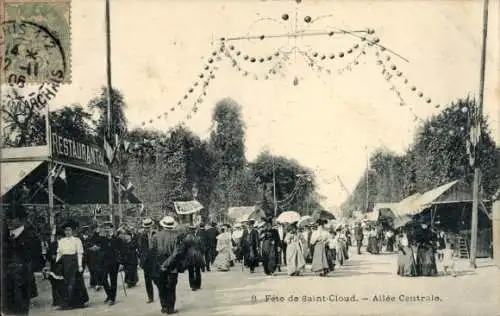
(123, 282)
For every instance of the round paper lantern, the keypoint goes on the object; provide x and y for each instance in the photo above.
(307, 19)
(285, 17)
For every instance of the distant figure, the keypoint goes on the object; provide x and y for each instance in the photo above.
(251, 246)
(145, 259)
(319, 240)
(296, 261)
(271, 244)
(358, 234)
(449, 259)
(224, 250)
(211, 239)
(194, 258)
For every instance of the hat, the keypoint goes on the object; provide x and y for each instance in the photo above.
(70, 223)
(167, 222)
(147, 222)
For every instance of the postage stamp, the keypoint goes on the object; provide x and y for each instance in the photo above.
(36, 42)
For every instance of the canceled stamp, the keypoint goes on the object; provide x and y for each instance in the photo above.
(36, 42)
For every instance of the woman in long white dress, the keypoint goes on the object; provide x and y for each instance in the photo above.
(224, 251)
(294, 254)
(319, 238)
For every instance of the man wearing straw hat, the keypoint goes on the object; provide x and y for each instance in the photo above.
(145, 260)
(167, 251)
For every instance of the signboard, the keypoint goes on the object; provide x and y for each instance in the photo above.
(72, 151)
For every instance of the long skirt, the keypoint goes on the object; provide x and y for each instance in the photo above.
(331, 255)
(341, 252)
(319, 261)
(373, 245)
(426, 262)
(16, 285)
(294, 259)
(406, 262)
(222, 261)
(269, 256)
(75, 293)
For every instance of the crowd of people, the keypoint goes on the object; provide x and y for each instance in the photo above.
(166, 248)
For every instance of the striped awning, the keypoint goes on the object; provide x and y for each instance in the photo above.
(14, 172)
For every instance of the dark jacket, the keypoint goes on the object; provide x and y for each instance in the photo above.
(211, 235)
(167, 252)
(110, 250)
(143, 246)
(358, 233)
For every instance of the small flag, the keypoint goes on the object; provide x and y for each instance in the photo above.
(62, 174)
(110, 152)
(126, 145)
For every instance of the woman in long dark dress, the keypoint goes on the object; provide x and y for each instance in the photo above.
(406, 257)
(270, 245)
(70, 254)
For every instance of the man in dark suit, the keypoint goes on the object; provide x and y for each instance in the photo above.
(211, 237)
(201, 234)
(17, 275)
(145, 260)
(111, 262)
(250, 245)
(358, 234)
(168, 252)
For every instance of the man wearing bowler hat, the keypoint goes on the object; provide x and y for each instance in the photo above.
(17, 282)
(168, 251)
(145, 260)
(112, 259)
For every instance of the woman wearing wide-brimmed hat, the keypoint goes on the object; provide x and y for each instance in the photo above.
(319, 238)
(70, 254)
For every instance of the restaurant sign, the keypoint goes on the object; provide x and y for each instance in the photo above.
(72, 151)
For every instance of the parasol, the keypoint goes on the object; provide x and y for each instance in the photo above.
(320, 214)
(305, 221)
(288, 217)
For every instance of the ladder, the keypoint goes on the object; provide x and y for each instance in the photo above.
(463, 247)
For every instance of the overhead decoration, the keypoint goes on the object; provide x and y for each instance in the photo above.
(266, 66)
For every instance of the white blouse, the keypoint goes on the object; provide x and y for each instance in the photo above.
(70, 246)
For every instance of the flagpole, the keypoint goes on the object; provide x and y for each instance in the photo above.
(108, 94)
(477, 124)
(50, 187)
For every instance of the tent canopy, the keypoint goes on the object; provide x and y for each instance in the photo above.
(243, 213)
(187, 207)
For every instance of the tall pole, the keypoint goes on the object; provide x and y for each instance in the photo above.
(108, 108)
(274, 191)
(50, 187)
(478, 118)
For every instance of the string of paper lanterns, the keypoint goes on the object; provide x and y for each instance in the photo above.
(313, 64)
(201, 83)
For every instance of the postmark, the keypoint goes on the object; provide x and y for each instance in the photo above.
(46, 23)
(34, 66)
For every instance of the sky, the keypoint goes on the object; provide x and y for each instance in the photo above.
(328, 123)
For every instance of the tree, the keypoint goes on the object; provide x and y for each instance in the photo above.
(227, 149)
(73, 121)
(23, 123)
(118, 120)
(295, 184)
(437, 156)
(227, 141)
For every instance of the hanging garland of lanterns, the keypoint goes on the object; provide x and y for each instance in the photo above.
(313, 64)
(202, 82)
